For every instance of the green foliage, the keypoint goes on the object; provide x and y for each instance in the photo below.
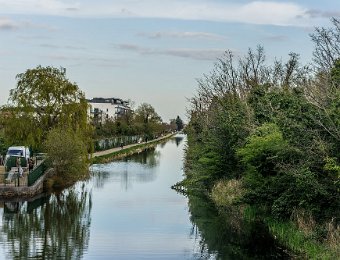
(213, 141)
(332, 166)
(266, 131)
(179, 123)
(3, 147)
(335, 73)
(44, 99)
(144, 121)
(264, 148)
(147, 119)
(275, 129)
(291, 236)
(67, 153)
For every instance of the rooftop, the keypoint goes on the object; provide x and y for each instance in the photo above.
(108, 100)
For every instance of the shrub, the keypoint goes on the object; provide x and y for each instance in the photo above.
(67, 153)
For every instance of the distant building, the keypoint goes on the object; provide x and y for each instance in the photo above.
(104, 109)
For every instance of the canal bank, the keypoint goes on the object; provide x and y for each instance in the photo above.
(121, 152)
(28, 185)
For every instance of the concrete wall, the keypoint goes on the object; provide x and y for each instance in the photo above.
(25, 191)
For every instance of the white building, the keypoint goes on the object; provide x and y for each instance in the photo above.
(103, 109)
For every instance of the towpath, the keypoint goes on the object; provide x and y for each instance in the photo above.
(105, 152)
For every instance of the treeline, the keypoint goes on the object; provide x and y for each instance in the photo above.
(269, 135)
(143, 121)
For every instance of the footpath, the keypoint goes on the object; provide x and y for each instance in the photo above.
(113, 150)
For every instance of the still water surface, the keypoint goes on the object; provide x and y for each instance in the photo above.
(126, 210)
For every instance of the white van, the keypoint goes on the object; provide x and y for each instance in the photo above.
(21, 151)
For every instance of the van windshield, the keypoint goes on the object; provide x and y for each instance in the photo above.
(14, 152)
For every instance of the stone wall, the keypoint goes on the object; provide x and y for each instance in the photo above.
(25, 191)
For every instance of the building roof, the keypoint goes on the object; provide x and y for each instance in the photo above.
(108, 100)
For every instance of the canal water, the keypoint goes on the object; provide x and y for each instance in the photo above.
(127, 210)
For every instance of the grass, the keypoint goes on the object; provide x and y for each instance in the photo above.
(227, 192)
(288, 233)
(300, 234)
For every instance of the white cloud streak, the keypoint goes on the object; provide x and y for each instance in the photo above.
(195, 54)
(10, 25)
(184, 35)
(255, 12)
(7, 24)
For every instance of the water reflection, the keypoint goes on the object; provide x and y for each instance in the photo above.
(178, 139)
(226, 236)
(55, 226)
(148, 157)
(135, 168)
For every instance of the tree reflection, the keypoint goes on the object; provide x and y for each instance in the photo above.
(227, 236)
(99, 178)
(58, 229)
(178, 139)
(138, 167)
(148, 157)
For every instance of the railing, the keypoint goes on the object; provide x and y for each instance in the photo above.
(108, 143)
(37, 172)
(13, 178)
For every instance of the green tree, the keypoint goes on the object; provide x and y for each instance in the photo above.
(68, 155)
(179, 123)
(147, 120)
(44, 99)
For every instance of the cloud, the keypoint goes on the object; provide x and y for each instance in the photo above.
(48, 7)
(10, 24)
(7, 24)
(255, 12)
(183, 35)
(69, 47)
(81, 60)
(196, 54)
(313, 13)
(276, 38)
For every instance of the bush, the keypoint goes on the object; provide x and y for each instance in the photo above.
(67, 153)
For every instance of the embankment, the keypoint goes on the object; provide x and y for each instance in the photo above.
(117, 153)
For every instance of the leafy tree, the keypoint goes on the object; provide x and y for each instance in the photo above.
(179, 123)
(44, 99)
(68, 155)
(147, 120)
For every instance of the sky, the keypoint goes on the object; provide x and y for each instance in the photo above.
(149, 50)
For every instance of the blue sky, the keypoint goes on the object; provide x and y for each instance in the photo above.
(149, 50)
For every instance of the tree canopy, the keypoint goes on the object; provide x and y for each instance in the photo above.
(43, 99)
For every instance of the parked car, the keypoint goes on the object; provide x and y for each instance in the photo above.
(15, 151)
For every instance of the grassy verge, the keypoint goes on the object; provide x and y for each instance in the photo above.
(127, 151)
(301, 235)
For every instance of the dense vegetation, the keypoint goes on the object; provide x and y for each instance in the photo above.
(48, 113)
(143, 121)
(268, 136)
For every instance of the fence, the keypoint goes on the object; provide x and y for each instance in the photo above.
(37, 172)
(108, 143)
